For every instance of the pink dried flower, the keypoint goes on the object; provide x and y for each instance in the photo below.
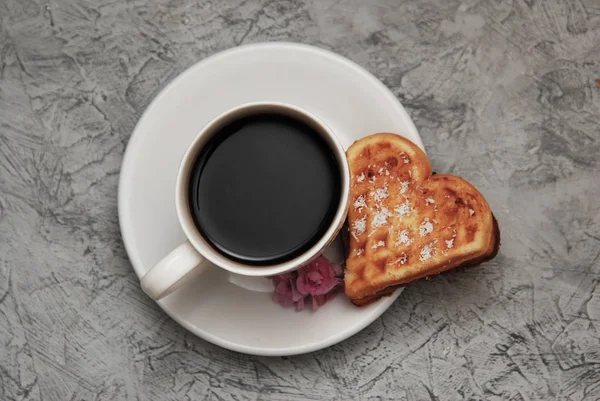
(320, 279)
(316, 278)
(286, 293)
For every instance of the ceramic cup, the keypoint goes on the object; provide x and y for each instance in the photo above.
(196, 254)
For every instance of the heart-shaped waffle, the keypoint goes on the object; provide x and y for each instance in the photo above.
(405, 223)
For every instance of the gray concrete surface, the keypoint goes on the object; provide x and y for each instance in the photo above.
(503, 93)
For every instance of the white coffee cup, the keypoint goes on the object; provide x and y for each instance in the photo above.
(191, 258)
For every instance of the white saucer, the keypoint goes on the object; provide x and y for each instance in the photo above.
(348, 98)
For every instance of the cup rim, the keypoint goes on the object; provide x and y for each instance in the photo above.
(182, 203)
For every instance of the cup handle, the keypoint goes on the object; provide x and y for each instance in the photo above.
(174, 270)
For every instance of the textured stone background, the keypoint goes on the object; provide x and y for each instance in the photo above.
(503, 93)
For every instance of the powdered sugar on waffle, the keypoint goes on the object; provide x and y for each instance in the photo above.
(380, 193)
(404, 238)
(380, 217)
(425, 228)
(403, 209)
(359, 227)
(404, 187)
(428, 251)
(360, 202)
(378, 245)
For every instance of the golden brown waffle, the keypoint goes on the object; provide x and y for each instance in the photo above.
(406, 223)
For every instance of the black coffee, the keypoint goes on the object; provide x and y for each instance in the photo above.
(264, 189)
